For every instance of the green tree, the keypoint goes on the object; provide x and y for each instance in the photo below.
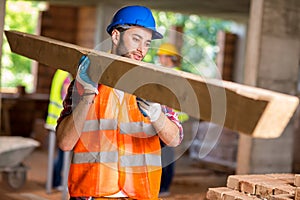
(199, 40)
(16, 69)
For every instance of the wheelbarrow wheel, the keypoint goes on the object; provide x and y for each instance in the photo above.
(15, 177)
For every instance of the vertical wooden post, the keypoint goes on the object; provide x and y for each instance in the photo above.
(226, 56)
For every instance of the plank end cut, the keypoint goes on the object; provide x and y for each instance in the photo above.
(277, 112)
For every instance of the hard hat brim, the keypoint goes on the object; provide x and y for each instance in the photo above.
(156, 35)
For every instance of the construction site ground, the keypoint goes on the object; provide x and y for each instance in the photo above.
(191, 180)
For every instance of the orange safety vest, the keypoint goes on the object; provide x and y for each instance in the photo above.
(118, 150)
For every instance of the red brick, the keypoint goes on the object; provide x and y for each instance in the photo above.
(297, 180)
(265, 189)
(281, 197)
(297, 193)
(233, 182)
(236, 195)
(273, 187)
(287, 177)
(285, 189)
(216, 193)
(247, 186)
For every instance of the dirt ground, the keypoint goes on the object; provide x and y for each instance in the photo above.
(190, 181)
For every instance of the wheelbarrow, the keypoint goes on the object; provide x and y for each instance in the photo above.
(13, 151)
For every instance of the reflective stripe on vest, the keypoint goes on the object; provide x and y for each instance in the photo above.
(111, 156)
(55, 104)
(95, 157)
(102, 124)
(125, 128)
(138, 160)
(137, 127)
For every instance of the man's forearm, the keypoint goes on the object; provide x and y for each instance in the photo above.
(69, 130)
(167, 130)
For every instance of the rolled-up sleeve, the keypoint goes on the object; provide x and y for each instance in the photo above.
(70, 101)
(173, 116)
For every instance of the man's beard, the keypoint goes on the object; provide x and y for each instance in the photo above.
(121, 49)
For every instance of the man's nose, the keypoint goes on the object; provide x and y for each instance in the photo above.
(140, 47)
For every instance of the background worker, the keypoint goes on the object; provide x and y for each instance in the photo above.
(115, 136)
(59, 87)
(169, 57)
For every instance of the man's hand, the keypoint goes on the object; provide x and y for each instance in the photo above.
(149, 109)
(83, 77)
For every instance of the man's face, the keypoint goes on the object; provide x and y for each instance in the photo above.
(134, 43)
(165, 60)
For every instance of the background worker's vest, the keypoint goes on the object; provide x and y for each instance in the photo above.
(56, 98)
(118, 150)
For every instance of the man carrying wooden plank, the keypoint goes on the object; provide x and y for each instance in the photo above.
(252, 111)
(115, 136)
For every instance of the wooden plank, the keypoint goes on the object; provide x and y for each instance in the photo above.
(253, 111)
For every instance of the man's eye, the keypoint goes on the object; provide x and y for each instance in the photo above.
(136, 39)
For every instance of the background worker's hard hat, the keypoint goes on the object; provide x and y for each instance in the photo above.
(167, 49)
(136, 16)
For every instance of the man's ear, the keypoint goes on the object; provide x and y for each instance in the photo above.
(115, 37)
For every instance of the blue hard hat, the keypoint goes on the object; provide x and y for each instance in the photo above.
(136, 16)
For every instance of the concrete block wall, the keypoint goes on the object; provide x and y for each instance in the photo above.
(272, 62)
(278, 71)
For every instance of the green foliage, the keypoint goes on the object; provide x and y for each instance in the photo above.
(16, 69)
(198, 51)
(199, 40)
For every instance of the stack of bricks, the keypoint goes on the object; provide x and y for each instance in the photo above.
(258, 187)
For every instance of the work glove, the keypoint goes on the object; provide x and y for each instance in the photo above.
(149, 109)
(83, 77)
